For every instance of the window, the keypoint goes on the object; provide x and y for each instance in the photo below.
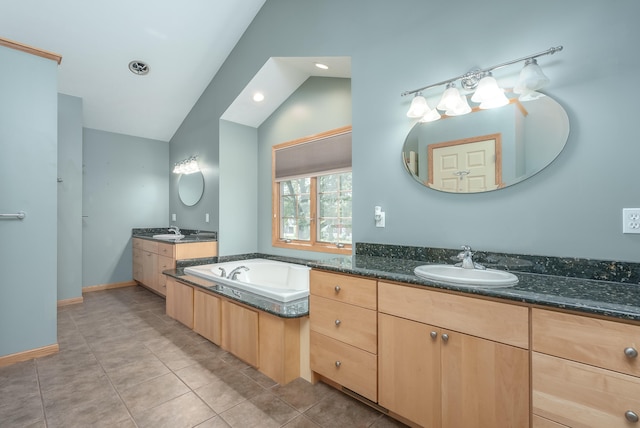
(312, 193)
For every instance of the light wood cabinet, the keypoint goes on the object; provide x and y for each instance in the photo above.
(240, 332)
(207, 312)
(585, 371)
(180, 302)
(343, 337)
(267, 342)
(435, 376)
(151, 258)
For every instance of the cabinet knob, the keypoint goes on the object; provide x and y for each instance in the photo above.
(630, 352)
(338, 322)
(445, 337)
(337, 288)
(631, 416)
(338, 364)
(433, 334)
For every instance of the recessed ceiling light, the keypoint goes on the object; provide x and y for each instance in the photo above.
(322, 66)
(138, 67)
(258, 96)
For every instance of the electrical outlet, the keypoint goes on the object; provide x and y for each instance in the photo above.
(631, 220)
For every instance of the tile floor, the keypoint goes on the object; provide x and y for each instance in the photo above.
(124, 363)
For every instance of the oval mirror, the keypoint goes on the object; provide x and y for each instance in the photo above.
(486, 149)
(190, 188)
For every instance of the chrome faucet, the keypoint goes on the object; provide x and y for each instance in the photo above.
(466, 255)
(175, 230)
(235, 272)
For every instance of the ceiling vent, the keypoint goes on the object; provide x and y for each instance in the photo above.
(138, 67)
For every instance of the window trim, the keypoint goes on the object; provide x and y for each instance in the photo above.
(313, 244)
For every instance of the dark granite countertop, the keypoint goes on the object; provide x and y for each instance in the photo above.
(614, 299)
(295, 309)
(606, 298)
(190, 236)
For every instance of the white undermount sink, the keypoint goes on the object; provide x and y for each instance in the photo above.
(168, 236)
(455, 275)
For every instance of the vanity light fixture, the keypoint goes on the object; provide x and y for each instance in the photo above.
(186, 166)
(486, 93)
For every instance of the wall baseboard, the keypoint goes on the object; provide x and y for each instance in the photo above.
(72, 301)
(101, 287)
(28, 355)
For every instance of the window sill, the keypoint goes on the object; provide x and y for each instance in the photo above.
(320, 248)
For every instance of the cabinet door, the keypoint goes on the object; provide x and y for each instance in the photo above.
(240, 332)
(180, 302)
(206, 316)
(484, 383)
(150, 269)
(409, 370)
(137, 264)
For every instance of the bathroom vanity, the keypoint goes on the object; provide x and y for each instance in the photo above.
(153, 256)
(548, 352)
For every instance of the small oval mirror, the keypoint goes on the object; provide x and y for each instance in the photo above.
(486, 149)
(191, 188)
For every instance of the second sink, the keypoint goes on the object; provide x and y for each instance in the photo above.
(454, 275)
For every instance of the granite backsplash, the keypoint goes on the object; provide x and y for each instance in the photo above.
(603, 270)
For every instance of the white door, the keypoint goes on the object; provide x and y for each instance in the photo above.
(464, 166)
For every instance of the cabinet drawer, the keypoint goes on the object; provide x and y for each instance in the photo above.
(576, 394)
(196, 250)
(351, 324)
(165, 249)
(349, 366)
(588, 340)
(344, 288)
(495, 321)
(150, 246)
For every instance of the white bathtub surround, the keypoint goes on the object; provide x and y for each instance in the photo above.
(276, 280)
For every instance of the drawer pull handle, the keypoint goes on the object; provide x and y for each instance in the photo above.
(338, 364)
(445, 337)
(337, 288)
(631, 416)
(433, 334)
(338, 322)
(630, 352)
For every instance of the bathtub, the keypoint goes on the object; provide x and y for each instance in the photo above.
(280, 281)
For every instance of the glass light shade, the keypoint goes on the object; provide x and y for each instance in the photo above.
(488, 89)
(530, 96)
(418, 107)
(461, 108)
(431, 116)
(531, 78)
(450, 99)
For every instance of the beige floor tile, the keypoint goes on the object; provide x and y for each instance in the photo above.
(301, 394)
(153, 392)
(136, 372)
(339, 410)
(185, 411)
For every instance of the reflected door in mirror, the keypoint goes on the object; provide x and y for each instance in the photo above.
(464, 166)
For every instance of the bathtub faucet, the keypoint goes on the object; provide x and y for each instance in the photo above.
(234, 273)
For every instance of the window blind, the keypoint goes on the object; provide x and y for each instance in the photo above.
(318, 157)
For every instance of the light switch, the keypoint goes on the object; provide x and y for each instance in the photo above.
(173, 217)
(206, 217)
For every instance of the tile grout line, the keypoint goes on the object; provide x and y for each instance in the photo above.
(44, 413)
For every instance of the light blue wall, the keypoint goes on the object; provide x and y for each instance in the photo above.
(28, 167)
(126, 182)
(572, 208)
(69, 197)
(238, 189)
(319, 105)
